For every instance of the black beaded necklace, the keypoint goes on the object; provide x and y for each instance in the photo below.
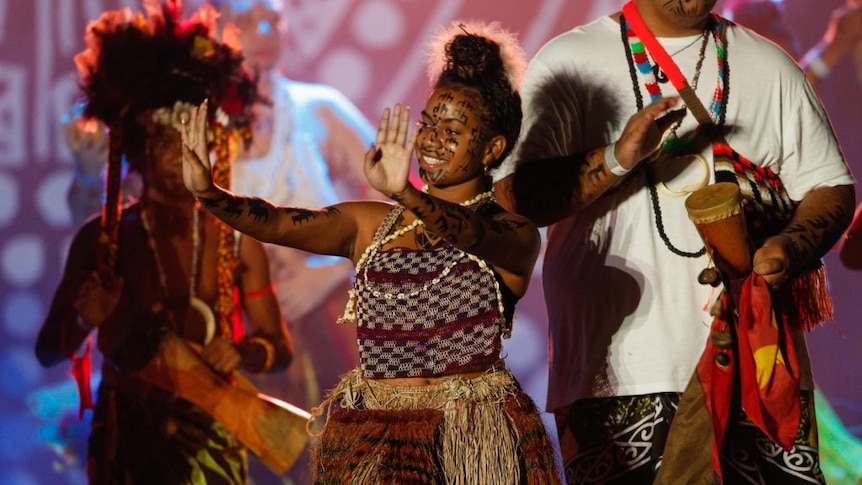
(650, 178)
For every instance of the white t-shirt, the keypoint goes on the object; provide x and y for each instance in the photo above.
(627, 316)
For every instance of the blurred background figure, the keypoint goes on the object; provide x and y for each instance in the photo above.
(307, 149)
(161, 267)
(308, 143)
(87, 140)
(841, 39)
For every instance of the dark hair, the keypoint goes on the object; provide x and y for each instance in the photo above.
(476, 61)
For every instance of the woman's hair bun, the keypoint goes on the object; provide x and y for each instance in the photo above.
(473, 57)
(474, 51)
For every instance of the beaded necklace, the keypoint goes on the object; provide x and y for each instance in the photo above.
(194, 302)
(362, 270)
(639, 63)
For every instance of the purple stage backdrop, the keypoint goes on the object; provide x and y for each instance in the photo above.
(372, 50)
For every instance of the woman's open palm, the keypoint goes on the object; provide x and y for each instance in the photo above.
(387, 163)
(197, 173)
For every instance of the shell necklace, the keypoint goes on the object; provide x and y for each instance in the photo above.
(194, 302)
(372, 248)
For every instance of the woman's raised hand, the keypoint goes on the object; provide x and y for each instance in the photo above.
(387, 163)
(197, 173)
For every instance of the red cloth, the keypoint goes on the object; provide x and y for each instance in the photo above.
(767, 366)
(81, 370)
(717, 383)
(237, 329)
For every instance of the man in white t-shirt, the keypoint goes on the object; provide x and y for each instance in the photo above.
(628, 320)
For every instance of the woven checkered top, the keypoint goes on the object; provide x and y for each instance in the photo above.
(409, 326)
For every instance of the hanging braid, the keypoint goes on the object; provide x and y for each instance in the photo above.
(110, 222)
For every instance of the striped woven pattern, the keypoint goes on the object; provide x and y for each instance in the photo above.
(446, 325)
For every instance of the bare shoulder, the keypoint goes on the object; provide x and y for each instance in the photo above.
(368, 215)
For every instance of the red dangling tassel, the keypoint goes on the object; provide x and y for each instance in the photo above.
(81, 371)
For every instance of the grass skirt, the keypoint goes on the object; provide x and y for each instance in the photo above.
(459, 431)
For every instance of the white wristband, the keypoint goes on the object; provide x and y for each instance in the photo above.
(612, 162)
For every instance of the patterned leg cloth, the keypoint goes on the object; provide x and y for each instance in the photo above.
(620, 441)
(460, 431)
(749, 456)
(615, 440)
(135, 441)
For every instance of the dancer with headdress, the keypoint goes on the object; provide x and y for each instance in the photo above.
(162, 266)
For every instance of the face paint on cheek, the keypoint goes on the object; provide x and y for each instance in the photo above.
(674, 6)
(477, 139)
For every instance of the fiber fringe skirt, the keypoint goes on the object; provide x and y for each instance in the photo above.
(460, 431)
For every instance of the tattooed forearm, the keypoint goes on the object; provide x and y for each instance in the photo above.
(234, 206)
(237, 207)
(551, 189)
(212, 202)
(815, 236)
(594, 178)
(258, 210)
(263, 220)
(820, 220)
(301, 216)
(506, 225)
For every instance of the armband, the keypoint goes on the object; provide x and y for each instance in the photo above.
(266, 290)
(268, 349)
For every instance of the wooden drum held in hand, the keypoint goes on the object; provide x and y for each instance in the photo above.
(717, 212)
